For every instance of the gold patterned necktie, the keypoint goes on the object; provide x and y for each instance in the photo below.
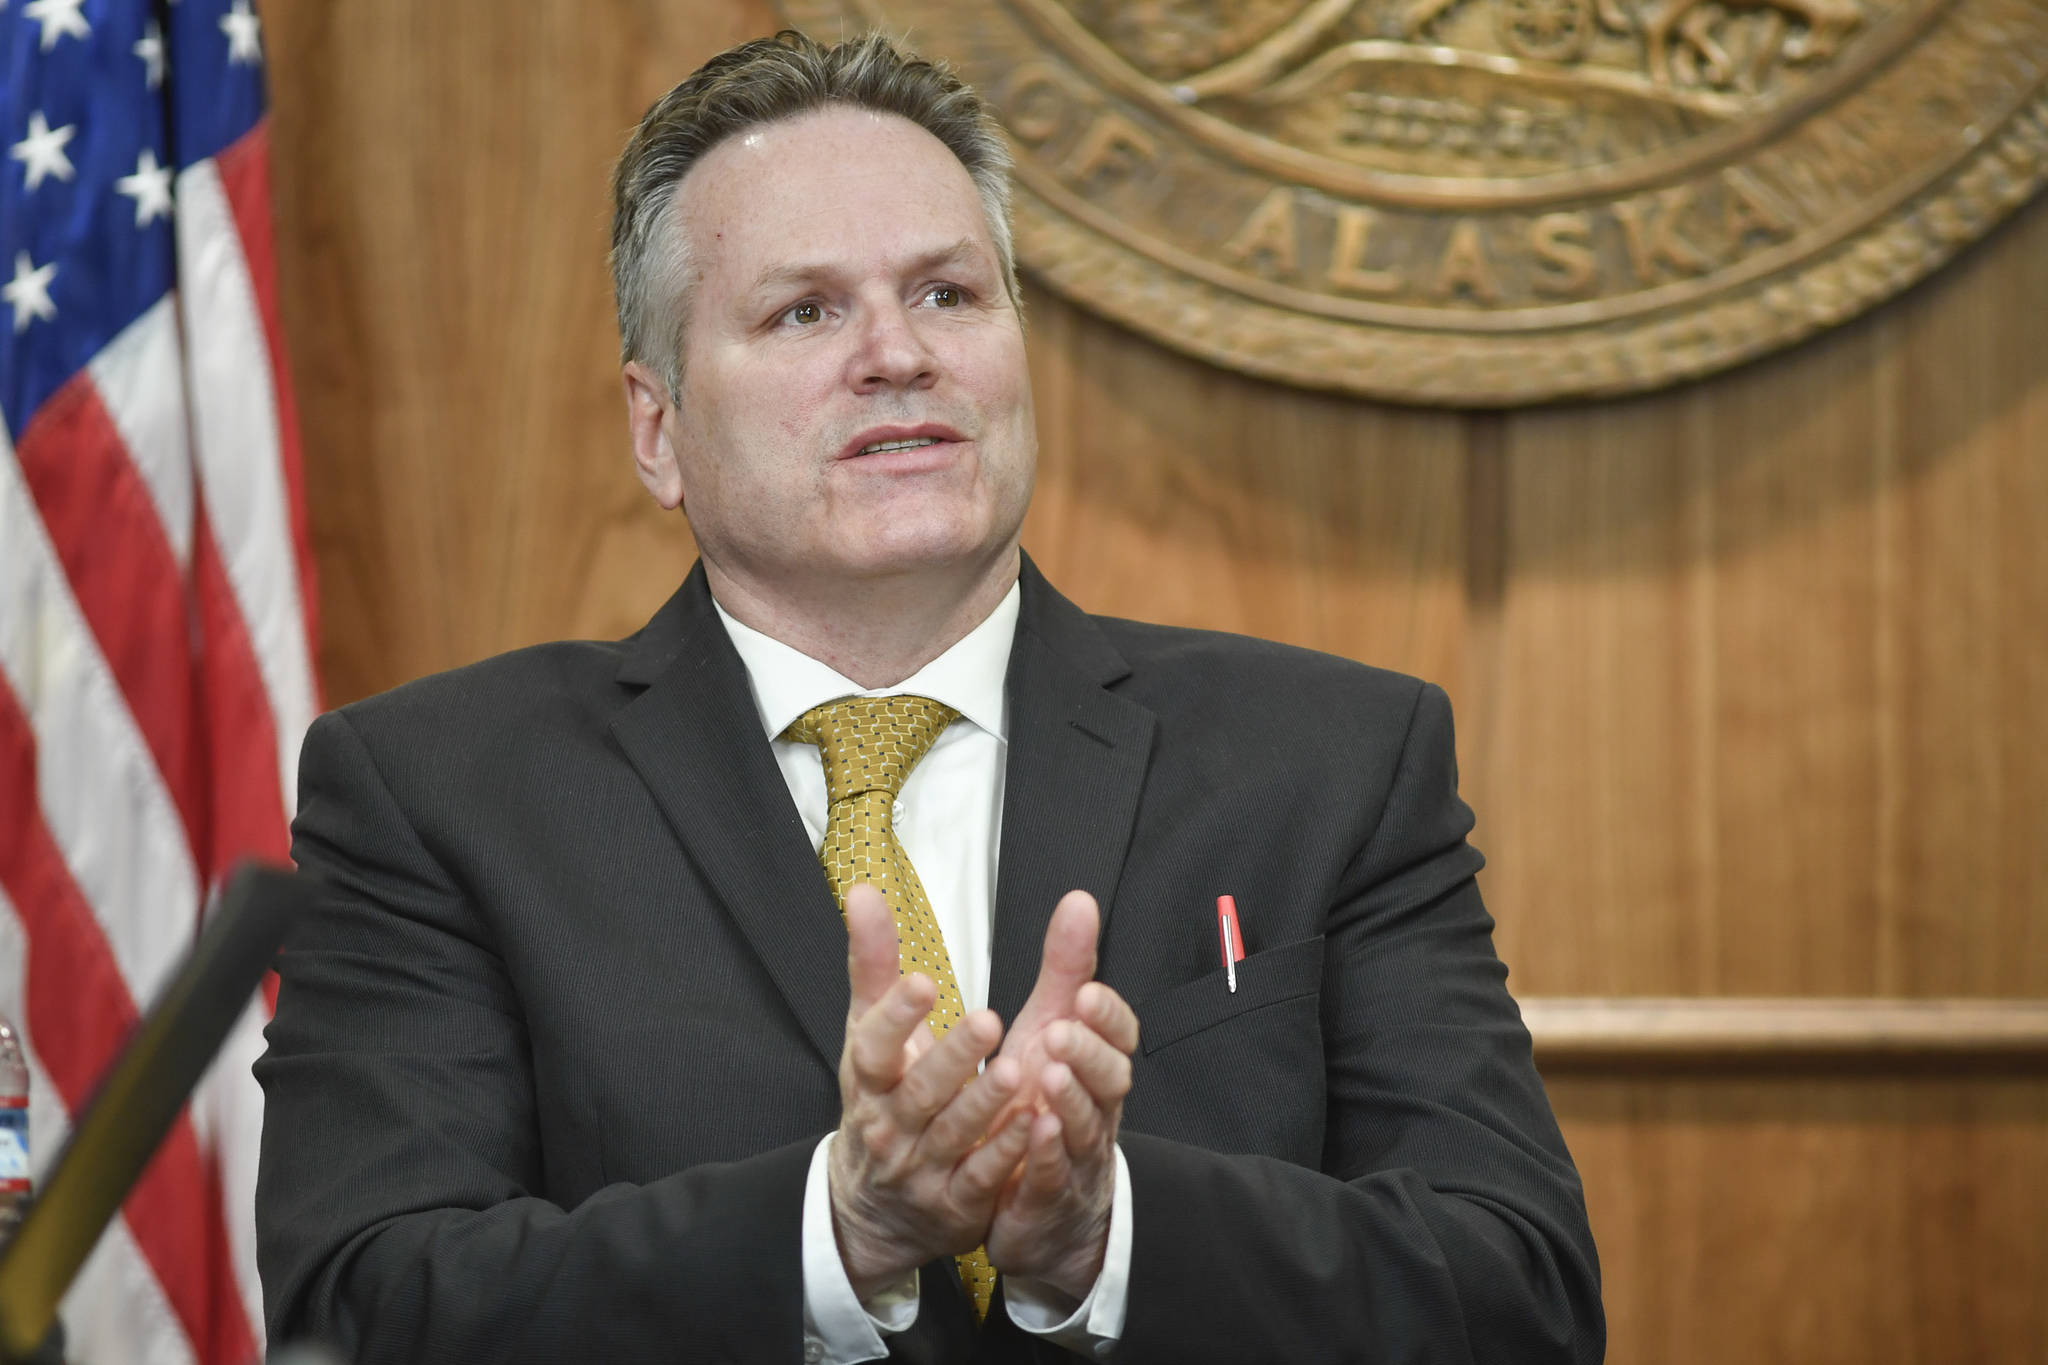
(869, 745)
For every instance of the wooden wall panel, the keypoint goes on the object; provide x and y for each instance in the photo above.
(1817, 1221)
(1244, 506)
(1751, 676)
(442, 201)
(1769, 701)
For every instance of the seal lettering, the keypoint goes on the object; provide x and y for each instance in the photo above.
(1493, 201)
(1271, 232)
(1464, 266)
(1752, 209)
(1347, 257)
(1113, 147)
(1035, 102)
(1563, 246)
(1651, 228)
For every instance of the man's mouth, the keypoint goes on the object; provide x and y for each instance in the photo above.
(902, 439)
(912, 443)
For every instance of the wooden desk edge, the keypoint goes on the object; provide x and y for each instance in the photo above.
(1622, 1031)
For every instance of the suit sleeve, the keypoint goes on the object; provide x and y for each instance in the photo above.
(401, 1209)
(1447, 1224)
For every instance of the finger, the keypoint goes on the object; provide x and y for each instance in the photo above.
(872, 963)
(1047, 1172)
(922, 1040)
(988, 1167)
(875, 1041)
(1082, 1121)
(1069, 957)
(1103, 1072)
(1024, 1098)
(937, 1077)
(981, 1108)
(1103, 1010)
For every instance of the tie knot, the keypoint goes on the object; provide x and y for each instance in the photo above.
(870, 743)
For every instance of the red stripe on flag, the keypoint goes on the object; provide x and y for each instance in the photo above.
(247, 816)
(78, 1008)
(126, 578)
(245, 179)
(80, 1013)
(175, 1214)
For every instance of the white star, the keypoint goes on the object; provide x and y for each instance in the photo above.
(245, 45)
(59, 18)
(151, 50)
(42, 151)
(149, 187)
(29, 291)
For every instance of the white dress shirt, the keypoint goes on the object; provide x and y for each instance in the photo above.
(949, 818)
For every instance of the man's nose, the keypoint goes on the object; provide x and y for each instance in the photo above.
(892, 351)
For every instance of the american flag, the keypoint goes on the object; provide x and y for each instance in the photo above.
(156, 603)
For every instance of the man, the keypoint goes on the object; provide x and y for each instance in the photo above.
(580, 1061)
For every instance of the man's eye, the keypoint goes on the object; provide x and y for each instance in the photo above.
(944, 296)
(806, 313)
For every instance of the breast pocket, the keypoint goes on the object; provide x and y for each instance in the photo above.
(1237, 1071)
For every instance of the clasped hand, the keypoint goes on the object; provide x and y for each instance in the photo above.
(932, 1159)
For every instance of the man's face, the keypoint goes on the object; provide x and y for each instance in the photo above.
(854, 395)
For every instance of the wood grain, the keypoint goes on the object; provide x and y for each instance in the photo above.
(1768, 701)
(1751, 675)
(443, 217)
(1256, 508)
(1816, 1221)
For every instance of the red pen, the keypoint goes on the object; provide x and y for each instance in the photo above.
(1232, 937)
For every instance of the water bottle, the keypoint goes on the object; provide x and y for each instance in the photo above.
(13, 1129)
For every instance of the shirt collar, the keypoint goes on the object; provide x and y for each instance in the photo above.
(968, 677)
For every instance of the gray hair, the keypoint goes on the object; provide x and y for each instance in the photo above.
(764, 81)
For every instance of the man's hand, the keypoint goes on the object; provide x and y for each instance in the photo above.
(1073, 1042)
(908, 1180)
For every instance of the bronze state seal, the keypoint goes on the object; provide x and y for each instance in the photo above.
(1492, 201)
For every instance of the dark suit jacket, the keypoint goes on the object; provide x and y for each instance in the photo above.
(548, 1066)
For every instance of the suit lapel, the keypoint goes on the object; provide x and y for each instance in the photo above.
(1077, 760)
(695, 738)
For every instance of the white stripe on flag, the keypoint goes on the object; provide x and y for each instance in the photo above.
(140, 376)
(115, 1310)
(227, 1113)
(241, 477)
(101, 794)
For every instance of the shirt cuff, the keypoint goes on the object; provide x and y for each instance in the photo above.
(1095, 1326)
(838, 1329)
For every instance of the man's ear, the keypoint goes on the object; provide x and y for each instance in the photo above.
(647, 403)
